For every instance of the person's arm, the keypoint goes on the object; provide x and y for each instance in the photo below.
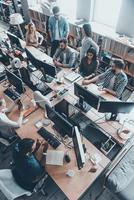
(11, 123)
(66, 28)
(95, 45)
(57, 54)
(112, 92)
(93, 80)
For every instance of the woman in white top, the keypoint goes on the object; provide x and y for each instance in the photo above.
(6, 125)
(32, 36)
(87, 41)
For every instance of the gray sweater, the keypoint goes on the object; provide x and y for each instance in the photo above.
(66, 57)
(87, 42)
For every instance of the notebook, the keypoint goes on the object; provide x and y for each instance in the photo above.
(54, 157)
(73, 76)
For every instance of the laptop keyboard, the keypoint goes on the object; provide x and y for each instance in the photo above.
(11, 94)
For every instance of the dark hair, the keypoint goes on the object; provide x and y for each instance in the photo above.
(25, 146)
(119, 63)
(63, 41)
(56, 10)
(87, 30)
(93, 51)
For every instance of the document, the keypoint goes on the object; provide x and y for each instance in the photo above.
(54, 157)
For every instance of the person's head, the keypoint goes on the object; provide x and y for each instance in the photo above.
(31, 27)
(87, 30)
(26, 146)
(91, 54)
(63, 44)
(2, 104)
(56, 12)
(117, 65)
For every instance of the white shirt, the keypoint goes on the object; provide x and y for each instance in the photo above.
(57, 36)
(111, 84)
(6, 125)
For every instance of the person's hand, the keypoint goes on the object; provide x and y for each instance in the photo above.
(45, 148)
(86, 82)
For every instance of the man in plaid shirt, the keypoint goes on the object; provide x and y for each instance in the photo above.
(113, 80)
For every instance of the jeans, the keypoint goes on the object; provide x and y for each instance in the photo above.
(54, 46)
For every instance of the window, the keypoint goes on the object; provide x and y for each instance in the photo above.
(107, 12)
(68, 7)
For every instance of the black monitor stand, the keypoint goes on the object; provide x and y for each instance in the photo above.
(46, 78)
(82, 105)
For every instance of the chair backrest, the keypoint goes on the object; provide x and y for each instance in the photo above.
(9, 187)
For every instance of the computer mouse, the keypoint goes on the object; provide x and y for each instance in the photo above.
(67, 158)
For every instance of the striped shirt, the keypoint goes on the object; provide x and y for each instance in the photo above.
(119, 83)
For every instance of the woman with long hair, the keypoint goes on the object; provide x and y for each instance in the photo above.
(89, 63)
(33, 37)
(87, 41)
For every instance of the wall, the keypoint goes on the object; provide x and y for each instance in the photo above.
(85, 9)
(125, 23)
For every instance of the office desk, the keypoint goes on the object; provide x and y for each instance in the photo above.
(110, 127)
(74, 187)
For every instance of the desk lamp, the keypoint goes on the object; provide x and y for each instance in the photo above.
(17, 19)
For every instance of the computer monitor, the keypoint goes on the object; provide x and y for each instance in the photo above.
(61, 124)
(115, 107)
(4, 58)
(15, 81)
(31, 58)
(15, 42)
(47, 70)
(78, 148)
(65, 108)
(87, 99)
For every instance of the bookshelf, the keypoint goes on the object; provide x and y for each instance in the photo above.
(39, 19)
(6, 8)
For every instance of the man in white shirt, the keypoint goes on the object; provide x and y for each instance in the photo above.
(6, 125)
(58, 29)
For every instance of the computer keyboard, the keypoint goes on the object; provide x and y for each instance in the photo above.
(80, 120)
(46, 90)
(43, 88)
(11, 94)
(49, 137)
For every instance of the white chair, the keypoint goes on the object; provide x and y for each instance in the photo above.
(9, 187)
(41, 100)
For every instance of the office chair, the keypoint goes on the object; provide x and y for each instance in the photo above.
(41, 100)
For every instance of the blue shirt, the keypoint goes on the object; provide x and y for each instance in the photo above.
(27, 169)
(62, 25)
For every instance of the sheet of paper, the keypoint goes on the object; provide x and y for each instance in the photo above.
(54, 157)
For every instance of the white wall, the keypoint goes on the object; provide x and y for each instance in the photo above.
(125, 23)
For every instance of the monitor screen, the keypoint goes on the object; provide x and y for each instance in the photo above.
(47, 68)
(78, 148)
(15, 81)
(60, 122)
(115, 107)
(31, 58)
(15, 42)
(64, 107)
(87, 96)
